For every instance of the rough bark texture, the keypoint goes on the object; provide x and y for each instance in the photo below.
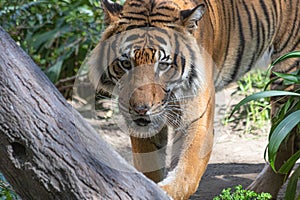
(47, 151)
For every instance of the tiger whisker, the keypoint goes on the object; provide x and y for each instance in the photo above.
(169, 108)
(172, 120)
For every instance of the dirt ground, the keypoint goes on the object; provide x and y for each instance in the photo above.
(236, 159)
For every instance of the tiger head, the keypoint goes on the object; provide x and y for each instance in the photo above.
(150, 59)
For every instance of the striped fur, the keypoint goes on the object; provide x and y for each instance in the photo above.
(235, 40)
(245, 31)
(154, 52)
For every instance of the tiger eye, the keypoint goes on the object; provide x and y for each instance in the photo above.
(126, 64)
(163, 66)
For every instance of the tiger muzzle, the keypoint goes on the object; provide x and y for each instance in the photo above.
(141, 115)
(144, 102)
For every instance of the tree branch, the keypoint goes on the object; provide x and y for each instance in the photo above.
(47, 150)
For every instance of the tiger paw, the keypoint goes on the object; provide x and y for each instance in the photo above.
(178, 189)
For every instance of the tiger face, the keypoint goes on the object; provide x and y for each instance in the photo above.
(152, 68)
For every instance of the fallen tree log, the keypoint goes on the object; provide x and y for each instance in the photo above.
(47, 150)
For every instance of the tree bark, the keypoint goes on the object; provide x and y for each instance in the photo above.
(47, 150)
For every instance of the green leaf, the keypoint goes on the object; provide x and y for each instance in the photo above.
(288, 77)
(260, 95)
(48, 37)
(37, 40)
(294, 54)
(290, 192)
(280, 133)
(54, 71)
(289, 164)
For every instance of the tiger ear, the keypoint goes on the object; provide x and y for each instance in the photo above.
(190, 17)
(111, 10)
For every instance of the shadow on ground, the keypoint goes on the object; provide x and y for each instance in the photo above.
(220, 176)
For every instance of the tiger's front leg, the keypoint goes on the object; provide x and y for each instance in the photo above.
(149, 155)
(183, 181)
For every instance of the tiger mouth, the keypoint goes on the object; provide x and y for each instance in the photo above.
(142, 122)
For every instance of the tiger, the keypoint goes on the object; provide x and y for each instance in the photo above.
(165, 60)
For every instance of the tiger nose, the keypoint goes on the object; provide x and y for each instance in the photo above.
(141, 109)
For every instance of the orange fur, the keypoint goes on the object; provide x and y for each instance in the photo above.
(214, 42)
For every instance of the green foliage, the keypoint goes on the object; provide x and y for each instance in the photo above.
(280, 133)
(260, 95)
(257, 111)
(255, 114)
(6, 192)
(241, 194)
(57, 34)
(286, 119)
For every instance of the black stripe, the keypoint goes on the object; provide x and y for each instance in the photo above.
(135, 27)
(226, 14)
(211, 9)
(134, 4)
(267, 17)
(178, 51)
(133, 18)
(254, 56)
(160, 30)
(176, 64)
(176, 41)
(110, 76)
(249, 18)
(144, 13)
(166, 8)
(123, 23)
(132, 37)
(296, 45)
(192, 53)
(192, 75)
(140, 1)
(183, 63)
(262, 46)
(258, 39)
(292, 67)
(160, 40)
(293, 34)
(176, 73)
(153, 53)
(105, 80)
(228, 28)
(231, 11)
(168, 3)
(241, 47)
(162, 56)
(163, 15)
(274, 15)
(274, 3)
(114, 68)
(160, 21)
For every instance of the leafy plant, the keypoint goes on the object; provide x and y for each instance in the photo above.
(56, 33)
(285, 120)
(6, 192)
(255, 114)
(241, 194)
